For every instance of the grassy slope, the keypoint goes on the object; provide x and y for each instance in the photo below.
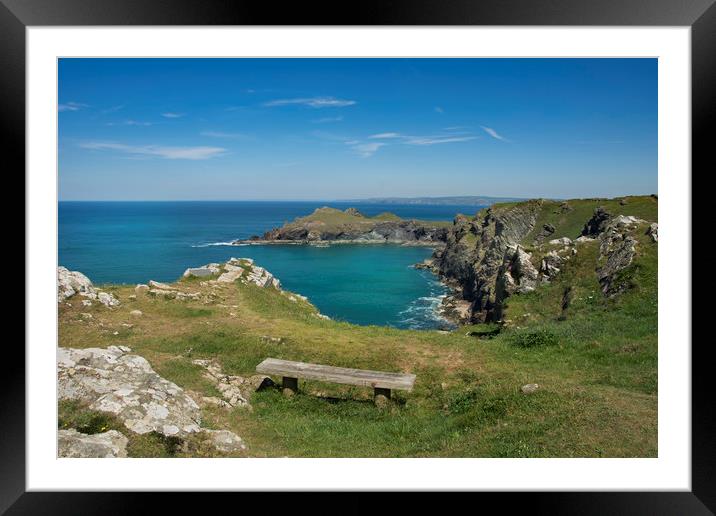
(332, 218)
(596, 369)
(570, 223)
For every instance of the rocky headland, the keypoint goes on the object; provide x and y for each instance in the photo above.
(327, 226)
(514, 248)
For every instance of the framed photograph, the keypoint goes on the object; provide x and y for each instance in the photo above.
(427, 248)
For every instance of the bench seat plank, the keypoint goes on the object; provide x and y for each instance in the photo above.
(361, 377)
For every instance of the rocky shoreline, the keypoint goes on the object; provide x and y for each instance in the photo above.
(328, 243)
(453, 307)
(499, 253)
(327, 226)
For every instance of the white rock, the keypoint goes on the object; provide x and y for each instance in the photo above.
(107, 299)
(111, 380)
(230, 276)
(198, 272)
(167, 294)
(529, 388)
(141, 288)
(136, 313)
(72, 443)
(561, 241)
(224, 440)
(160, 286)
(70, 283)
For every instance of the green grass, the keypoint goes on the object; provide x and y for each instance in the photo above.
(570, 223)
(595, 363)
(331, 218)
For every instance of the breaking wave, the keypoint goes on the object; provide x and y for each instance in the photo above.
(213, 244)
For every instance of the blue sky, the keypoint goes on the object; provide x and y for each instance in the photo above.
(309, 129)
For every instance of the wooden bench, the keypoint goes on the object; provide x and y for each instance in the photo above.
(381, 382)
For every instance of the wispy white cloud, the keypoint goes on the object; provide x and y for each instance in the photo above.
(328, 120)
(112, 109)
(384, 136)
(440, 110)
(371, 144)
(190, 153)
(493, 133)
(366, 150)
(436, 140)
(220, 134)
(314, 102)
(172, 115)
(71, 106)
(424, 140)
(131, 122)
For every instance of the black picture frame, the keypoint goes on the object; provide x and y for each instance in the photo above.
(700, 15)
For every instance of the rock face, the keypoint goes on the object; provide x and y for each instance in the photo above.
(485, 259)
(112, 380)
(480, 253)
(72, 443)
(597, 223)
(70, 283)
(517, 275)
(332, 225)
(618, 255)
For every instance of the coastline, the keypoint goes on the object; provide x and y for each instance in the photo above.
(328, 243)
(453, 308)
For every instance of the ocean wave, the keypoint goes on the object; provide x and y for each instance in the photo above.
(212, 244)
(423, 313)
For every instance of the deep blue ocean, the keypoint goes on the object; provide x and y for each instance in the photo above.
(133, 242)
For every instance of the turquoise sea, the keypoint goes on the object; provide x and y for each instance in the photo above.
(133, 242)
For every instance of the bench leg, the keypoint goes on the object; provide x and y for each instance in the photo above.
(289, 385)
(381, 396)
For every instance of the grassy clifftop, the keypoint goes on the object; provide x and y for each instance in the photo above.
(568, 217)
(333, 218)
(595, 362)
(333, 225)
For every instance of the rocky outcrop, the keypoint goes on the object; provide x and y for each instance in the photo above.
(202, 272)
(71, 283)
(235, 390)
(618, 257)
(115, 381)
(328, 225)
(224, 440)
(617, 249)
(546, 231)
(596, 224)
(72, 443)
(481, 255)
(485, 259)
(653, 231)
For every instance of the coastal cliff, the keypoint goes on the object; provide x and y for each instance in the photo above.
(330, 225)
(514, 248)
